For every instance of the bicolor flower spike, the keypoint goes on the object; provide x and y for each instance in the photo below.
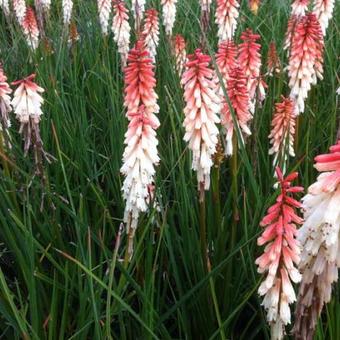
(104, 12)
(169, 15)
(299, 7)
(19, 7)
(323, 10)
(249, 60)
(67, 11)
(26, 104)
(305, 59)
(227, 13)
(121, 29)
(179, 48)
(239, 98)
(140, 156)
(283, 131)
(5, 105)
(4, 4)
(320, 240)
(281, 255)
(30, 28)
(150, 32)
(202, 105)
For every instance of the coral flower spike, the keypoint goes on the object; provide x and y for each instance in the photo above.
(201, 107)
(281, 255)
(320, 240)
(121, 29)
(140, 156)
(273, 61)
(227, 12)
(306, 58)
(30, 28)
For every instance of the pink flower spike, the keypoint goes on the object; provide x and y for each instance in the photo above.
(226, 59)
(140, 156)
(121, 29)
(227, 13)
(30, 28)
(281, 255)
(306, 58)
(202, 105)
(283, 131)
(150, 33)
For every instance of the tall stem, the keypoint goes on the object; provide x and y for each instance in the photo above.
(234, 190)
(203, 227)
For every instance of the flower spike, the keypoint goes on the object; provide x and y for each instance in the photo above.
(273, 61)
(320, 240)
(67, 11)
(5, 106)
(4, 4)
(306, 58)
(26, 104)
(227, 13)
(283, 131)
(179, 50)
(121, 29)
(150, 32)
(250, 61)
(140, 155)
(30, 28)
(281, 255)
(299, 7)
(19, 7)
(239, 99)
(201, 107)
(104, 11)
(323, 10)
(169, 15)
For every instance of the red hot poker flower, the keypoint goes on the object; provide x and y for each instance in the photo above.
(280, 254)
